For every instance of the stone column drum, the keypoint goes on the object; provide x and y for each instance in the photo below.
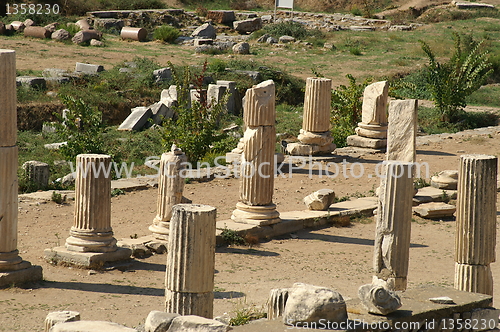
(315, 135)
(170, 188)
(189, 276)
(392, 235)
(256, 205)
(372, 130)
(475, 238)
(91, 231)
(12, 267)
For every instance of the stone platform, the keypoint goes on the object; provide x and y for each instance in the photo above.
(30, 273)
(61, 255)
(418, 313)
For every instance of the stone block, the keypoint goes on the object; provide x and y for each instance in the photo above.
(445, 180)
(431, 194)
(36, 32)
(32, 82)
(37, 172)
(160, 112)
(96, 43)
(19, 277)
(379, 300)
(192, 323)
(434, 210)
(88, 68)
(206, 30)
(90, 326)
(221, 16)
(60, 34)
(162, 74)
(85, 259)
(234, 102)
(308, 303)
(320, 200)
(85, 36)
(248, 26)
(402, 131)
(159, 321)
(56, 317)
(299, 149)
(109, 23)
(486, 317)
(286, 39)
(203, 41)
(241, 48)
(137, 119)
(365, 142)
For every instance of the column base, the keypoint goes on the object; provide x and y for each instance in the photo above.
(160, 230)
(91, 260)
(318, 138)
(26, 274)
(366, 142)
(90, 242)
(371, 131)
(256, 215)
(473, 278)
(301, 149)
(185, 303)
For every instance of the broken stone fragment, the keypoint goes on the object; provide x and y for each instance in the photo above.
(442, 300)
(308, 303)
(378, 299)
(445, 180)
(320, 200)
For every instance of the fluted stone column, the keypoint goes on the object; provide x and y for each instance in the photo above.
(256, 205)
(189, 277)
(392, 236)
(170, 188)
(315, 135)
(12, 267)
(91, 242)
(475, 238)
(372, 130)
(91, 231)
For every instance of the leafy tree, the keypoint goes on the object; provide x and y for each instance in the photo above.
(452, 82)
(347, 102)
(195, 128)
(81, 126)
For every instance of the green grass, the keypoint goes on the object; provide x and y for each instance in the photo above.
(430, 122)
(487, 95)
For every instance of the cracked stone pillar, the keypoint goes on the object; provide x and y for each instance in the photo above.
(372, 130)
(170, 188)
(256, 205)
(189, 276)
(91, 242)
(475, 237)
(13, 270)
(315, 135)
(392, 235)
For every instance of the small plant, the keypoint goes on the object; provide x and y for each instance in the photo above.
(355, 51)
(57, 197)
(232, 237)
(133, 236)
(420, 183)
(166, 33)
(117, 192)
(245, 315)
(445, 197)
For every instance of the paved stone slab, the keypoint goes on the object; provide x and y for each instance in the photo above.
(431, 194)
(90, 326)
(131, 184)
(88, 68)
(434, 210)
(47, 195)
(85, 259)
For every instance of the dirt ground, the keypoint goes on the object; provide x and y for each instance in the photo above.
(340, 258)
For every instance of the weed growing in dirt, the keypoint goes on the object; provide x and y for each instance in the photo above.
(166, 33)
(57, 197)
(245, 315)
(231, 237)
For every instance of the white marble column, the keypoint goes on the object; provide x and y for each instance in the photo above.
(13, 270)
(372, 130)
(315, 137)
(393, 228)
(256, 205)
(189, 278)
(475, 238)
(91, 231)
(170, 188)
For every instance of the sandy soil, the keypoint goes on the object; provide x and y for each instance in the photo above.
(340, 258)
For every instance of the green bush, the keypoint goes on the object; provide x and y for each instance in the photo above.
(196, 127)
(450, 83)
(166, 33)
(82, 128)
(291, 28)
(347, 102)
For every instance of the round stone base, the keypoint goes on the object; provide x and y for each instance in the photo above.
(392, 283)
(256, 215)
(91, 242)
(371, 131)
(11, 261)
(321, 139)
(160, 229)
(300, 149)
